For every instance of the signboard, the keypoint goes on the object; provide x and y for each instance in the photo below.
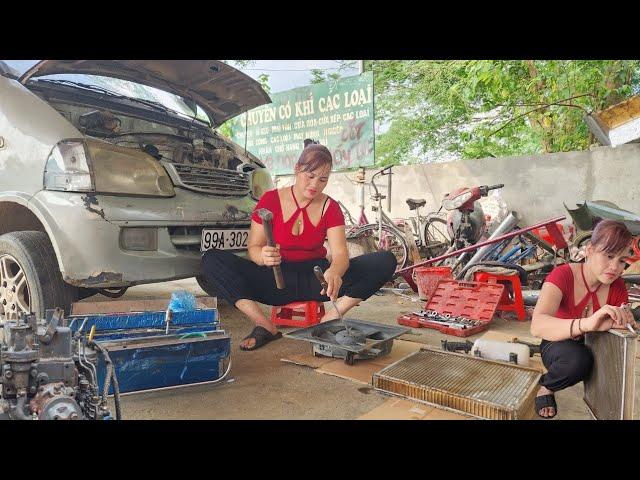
(338, 114)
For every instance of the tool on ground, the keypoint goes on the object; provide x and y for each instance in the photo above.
(451, 321)
(267, 223)
(533, 347)
(320, 276)
(449, 346)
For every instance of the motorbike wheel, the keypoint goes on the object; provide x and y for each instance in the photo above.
(390, 241)
(436, 237)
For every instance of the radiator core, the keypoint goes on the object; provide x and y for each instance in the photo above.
(609, 392)
(463, 383)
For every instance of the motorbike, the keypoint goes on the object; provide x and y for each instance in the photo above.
(466, 222)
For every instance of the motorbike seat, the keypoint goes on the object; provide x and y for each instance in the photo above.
(413, 203)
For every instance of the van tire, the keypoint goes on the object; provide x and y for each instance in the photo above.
(34, 254)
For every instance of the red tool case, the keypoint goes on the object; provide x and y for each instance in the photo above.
(473, 300)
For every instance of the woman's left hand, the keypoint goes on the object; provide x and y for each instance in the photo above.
(334, 282)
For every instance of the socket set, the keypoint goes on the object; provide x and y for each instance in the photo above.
(447, 319)
(457, 308)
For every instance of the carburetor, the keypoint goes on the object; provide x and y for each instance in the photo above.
(42, 377)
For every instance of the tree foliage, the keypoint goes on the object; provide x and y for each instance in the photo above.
(320, 76)
(449, 109)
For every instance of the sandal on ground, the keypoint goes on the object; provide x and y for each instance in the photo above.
(544, 401)
(262, 336)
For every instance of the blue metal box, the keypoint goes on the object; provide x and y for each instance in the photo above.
(146, 358)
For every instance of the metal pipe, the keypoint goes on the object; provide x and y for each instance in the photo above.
(507, 224)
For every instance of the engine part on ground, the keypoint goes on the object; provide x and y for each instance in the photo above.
(609, 391)
(489, 389)
(364, 340)
(45, 375)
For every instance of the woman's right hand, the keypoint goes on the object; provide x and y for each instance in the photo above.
(271, 256)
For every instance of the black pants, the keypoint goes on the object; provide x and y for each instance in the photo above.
(567, 362)
(236, 278)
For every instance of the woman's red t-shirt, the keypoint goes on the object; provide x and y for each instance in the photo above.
(309, 245)
(562, 277)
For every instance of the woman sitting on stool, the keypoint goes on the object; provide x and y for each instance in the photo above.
(579, 298)
(302, 218)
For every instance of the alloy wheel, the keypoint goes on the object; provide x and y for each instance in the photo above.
(14, 291)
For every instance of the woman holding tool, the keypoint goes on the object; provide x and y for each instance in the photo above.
(579, 298)
(301, 218)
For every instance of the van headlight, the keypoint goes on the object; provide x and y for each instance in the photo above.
(92, 165)
(260, 182)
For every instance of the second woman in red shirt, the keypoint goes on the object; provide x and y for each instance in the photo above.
(579, 298)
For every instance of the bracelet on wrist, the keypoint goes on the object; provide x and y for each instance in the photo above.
(571, 329)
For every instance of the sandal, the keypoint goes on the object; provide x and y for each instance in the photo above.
(544, 401)
(262, 336)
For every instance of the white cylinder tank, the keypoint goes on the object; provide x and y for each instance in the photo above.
(496, 350)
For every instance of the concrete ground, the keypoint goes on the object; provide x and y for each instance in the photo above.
(261, 386)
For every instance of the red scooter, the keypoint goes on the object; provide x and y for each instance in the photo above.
(466, 222)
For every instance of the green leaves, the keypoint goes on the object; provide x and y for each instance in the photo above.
(479, 108)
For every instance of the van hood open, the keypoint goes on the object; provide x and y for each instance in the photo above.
(222, 91)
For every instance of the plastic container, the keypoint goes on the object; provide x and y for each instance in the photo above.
(182, 301)
(496, 350)
(427, 279)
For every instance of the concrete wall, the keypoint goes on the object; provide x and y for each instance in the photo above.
(535, 186)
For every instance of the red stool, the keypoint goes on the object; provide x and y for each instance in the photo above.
(298, 314)
(506, 304)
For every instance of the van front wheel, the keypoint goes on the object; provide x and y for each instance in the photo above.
(30, 279)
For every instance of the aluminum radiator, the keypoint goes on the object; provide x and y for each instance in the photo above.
(609, 392)
(462, 383)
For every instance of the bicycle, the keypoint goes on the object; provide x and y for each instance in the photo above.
(429, 233)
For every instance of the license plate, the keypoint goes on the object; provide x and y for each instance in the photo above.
(224, 239)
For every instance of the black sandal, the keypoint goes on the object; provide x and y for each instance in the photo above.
(262, 336)
(544, 401)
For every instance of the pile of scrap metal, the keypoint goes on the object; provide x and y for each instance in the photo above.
(49, 374)
(532, 252)
(509, 248)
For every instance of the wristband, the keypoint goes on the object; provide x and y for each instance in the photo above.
(571, 329)
(580, 326)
